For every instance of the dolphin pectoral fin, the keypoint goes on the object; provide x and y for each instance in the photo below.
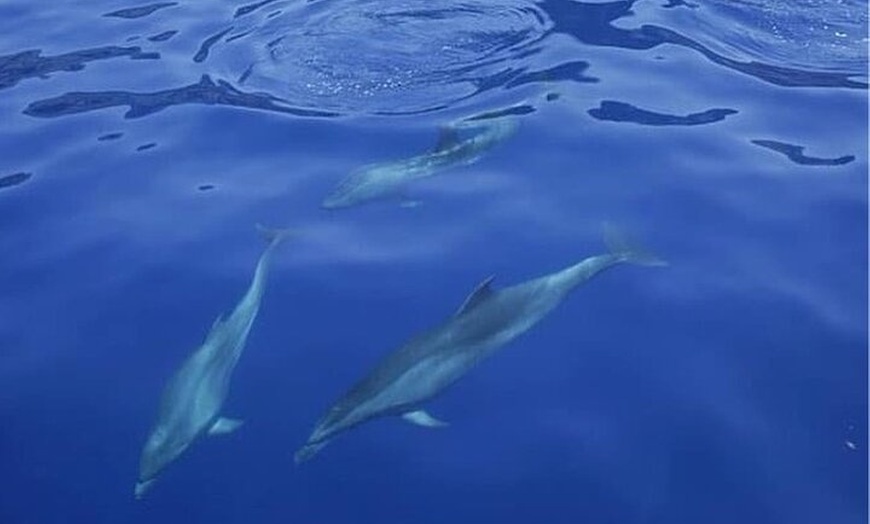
(225, 425)
(480, 294)
(448, 137)
(405, 200)
(421, 418)
(142, 487)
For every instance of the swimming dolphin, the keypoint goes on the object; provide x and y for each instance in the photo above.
(192, 400)
(389, 178)
(435, 359)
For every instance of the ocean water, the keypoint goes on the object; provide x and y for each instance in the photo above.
(141, 143)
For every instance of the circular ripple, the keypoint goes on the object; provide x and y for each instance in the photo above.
(378, 56)
(818, 35)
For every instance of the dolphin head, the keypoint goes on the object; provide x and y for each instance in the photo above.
(357, 187)
(307, 451)
(142, 487)
(159, 451)
(340, 417)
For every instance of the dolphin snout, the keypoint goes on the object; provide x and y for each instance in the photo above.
(332, 202)
(142, 487)
(307, 451)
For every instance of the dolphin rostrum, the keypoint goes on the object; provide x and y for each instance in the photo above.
(193, 397)
(435, 359)
(389, 178)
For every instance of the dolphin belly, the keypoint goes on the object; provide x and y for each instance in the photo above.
(419, 383)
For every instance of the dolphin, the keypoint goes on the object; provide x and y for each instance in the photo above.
(389, 178)
(430, 362)
(192, 399)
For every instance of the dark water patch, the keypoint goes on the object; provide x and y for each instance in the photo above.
(146, 147)
(237, 36)
(679, 3)
(14, 180)
(139, 12)
(250, 8)
(205, 187)
(796, 154)
(110, 136)
(162, 37)
(132, 38)
(517, 110)
(205, 92)
(613, 111)
(206, 45)
(31, 64)
(592, 24)
(572, 71)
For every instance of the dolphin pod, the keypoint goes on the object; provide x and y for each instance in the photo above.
(404, 380)
(193, 397)
(435, 359)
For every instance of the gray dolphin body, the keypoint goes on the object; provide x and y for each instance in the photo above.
(389, 178)
(193, 397)
(434, 360)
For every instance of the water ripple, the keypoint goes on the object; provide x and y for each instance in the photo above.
(796, 154)
(31, 64)
(820, 35)
(407, 56)
(206, 91)
(592, 24)
(141, 11)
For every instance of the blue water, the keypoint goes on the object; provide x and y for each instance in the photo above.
(138, 148)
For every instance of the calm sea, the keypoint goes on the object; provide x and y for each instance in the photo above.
(141, 143)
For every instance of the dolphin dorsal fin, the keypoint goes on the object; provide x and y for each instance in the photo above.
(215, 327)
(480, 294)
(448, 137)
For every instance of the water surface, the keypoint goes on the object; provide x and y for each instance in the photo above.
(142, 142)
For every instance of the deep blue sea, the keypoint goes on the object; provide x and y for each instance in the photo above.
(141, 143)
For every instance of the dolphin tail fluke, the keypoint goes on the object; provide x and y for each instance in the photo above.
(627, 249)
(273, 236)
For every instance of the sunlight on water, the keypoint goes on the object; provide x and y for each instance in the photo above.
(444, 169)
(367, 57)
(822, 35)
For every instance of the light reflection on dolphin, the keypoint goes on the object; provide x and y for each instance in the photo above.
(454, 149)
(435, 359)
(193, 397)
